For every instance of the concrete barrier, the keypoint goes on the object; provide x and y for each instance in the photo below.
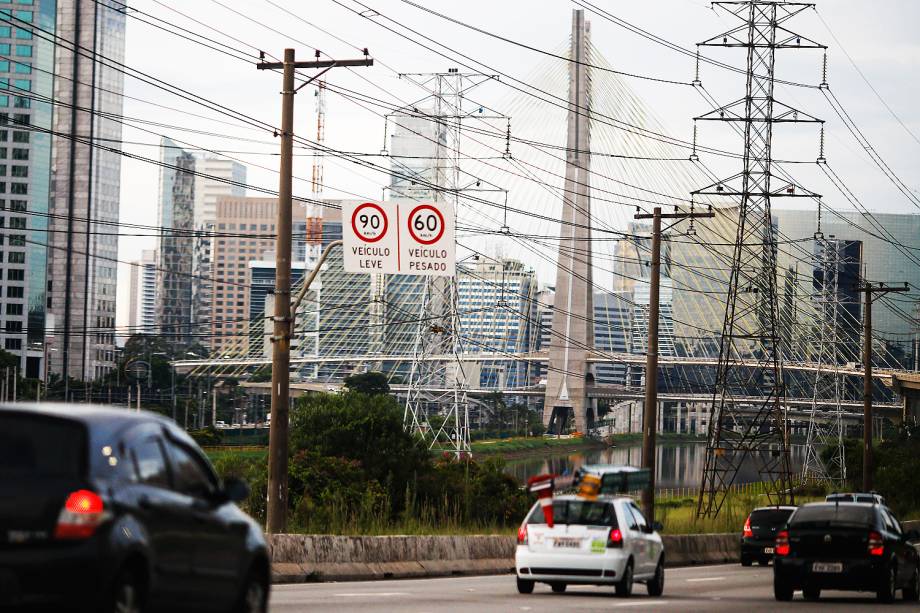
(299, 558)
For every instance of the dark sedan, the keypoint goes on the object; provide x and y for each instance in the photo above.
(113, 510)
(846, 546)
(759, 534)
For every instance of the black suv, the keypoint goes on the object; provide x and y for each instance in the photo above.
(113, 510)
(758, 538)
(846, 546)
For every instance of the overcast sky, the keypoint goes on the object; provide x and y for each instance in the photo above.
(879, 35)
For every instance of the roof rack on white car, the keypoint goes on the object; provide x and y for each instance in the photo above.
(614, 479)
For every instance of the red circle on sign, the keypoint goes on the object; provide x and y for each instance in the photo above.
(440, 219)
(354, 226)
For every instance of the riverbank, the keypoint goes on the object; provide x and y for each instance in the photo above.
(522, 447)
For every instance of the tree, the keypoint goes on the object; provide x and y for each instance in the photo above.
(370, 383)
(359, 427)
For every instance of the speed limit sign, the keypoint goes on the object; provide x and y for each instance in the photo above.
(427, 247)
(398, 236)
(369, 222)
(369, 237)
(426, 224)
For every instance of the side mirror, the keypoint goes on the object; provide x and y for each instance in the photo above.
(657, 526)
(912, 536)
(235, 489)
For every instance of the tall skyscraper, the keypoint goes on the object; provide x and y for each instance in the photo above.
(216, 178)
(176, 244)
(85, 187)
(885, 257)
(252, 221)
(142, 310)
(26, 78)
(498, 314)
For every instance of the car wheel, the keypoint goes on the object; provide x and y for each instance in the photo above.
(746, 561)
(782, 591)
(812, 593)
(559, 588)
(254, 597)
(625, 586)
(889, 584)
(127, 594)
(524, 586)
(655, 586)
(912, 591)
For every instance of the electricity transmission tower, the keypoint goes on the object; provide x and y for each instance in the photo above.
(825, 427)
(437, 381)
(750, 360)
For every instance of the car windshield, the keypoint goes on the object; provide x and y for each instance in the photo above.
(577, 512)
(832, 515)
(38, 446)
(770, 517)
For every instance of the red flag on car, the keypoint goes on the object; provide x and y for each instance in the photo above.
(542, 486)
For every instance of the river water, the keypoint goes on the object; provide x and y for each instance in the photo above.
(678, 464)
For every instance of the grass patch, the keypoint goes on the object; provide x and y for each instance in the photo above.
(525, 444)
(217, 454)
(678, 515)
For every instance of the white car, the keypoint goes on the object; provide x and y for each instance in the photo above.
(605, 541)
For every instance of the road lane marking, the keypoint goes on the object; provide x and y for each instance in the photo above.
(352, 594)
(700, 579)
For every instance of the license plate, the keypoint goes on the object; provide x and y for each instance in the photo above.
(768, 550)
(567, 543)
(827, 567)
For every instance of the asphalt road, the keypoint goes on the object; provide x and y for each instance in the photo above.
(701, 588)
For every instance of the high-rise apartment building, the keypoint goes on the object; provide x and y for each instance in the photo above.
(85, 185)
(498, 310)
(886, 256)
(216, 178)
(142, 310)
(26, 79)
(251, 222)
(176, 247)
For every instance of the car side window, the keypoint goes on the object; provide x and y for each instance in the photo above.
(890, 522)
(150, 462)
(189, 476)
(631, 522)
(640, 518)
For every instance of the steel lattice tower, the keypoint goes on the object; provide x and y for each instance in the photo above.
(750, 360)
(437, 382)
(825, 427)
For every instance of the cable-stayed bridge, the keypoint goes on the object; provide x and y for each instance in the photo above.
(581, 153)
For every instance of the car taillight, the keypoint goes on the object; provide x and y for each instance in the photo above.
(82, 513)
(747, 532)
(782, 543)
(522, 534)
(876, 544)
(615, 539)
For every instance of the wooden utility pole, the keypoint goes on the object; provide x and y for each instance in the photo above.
(870, 289)
(276, 511)
(650, 421)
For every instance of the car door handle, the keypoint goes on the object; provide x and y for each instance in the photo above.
(145, 503)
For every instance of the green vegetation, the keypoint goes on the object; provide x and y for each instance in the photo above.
(534, 444)
(897, 464)
(355, 470)
(678, 514)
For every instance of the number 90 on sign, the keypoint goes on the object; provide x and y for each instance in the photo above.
(426, 224)
(369, 222)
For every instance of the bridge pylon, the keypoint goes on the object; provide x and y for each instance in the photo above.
(572, 337)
